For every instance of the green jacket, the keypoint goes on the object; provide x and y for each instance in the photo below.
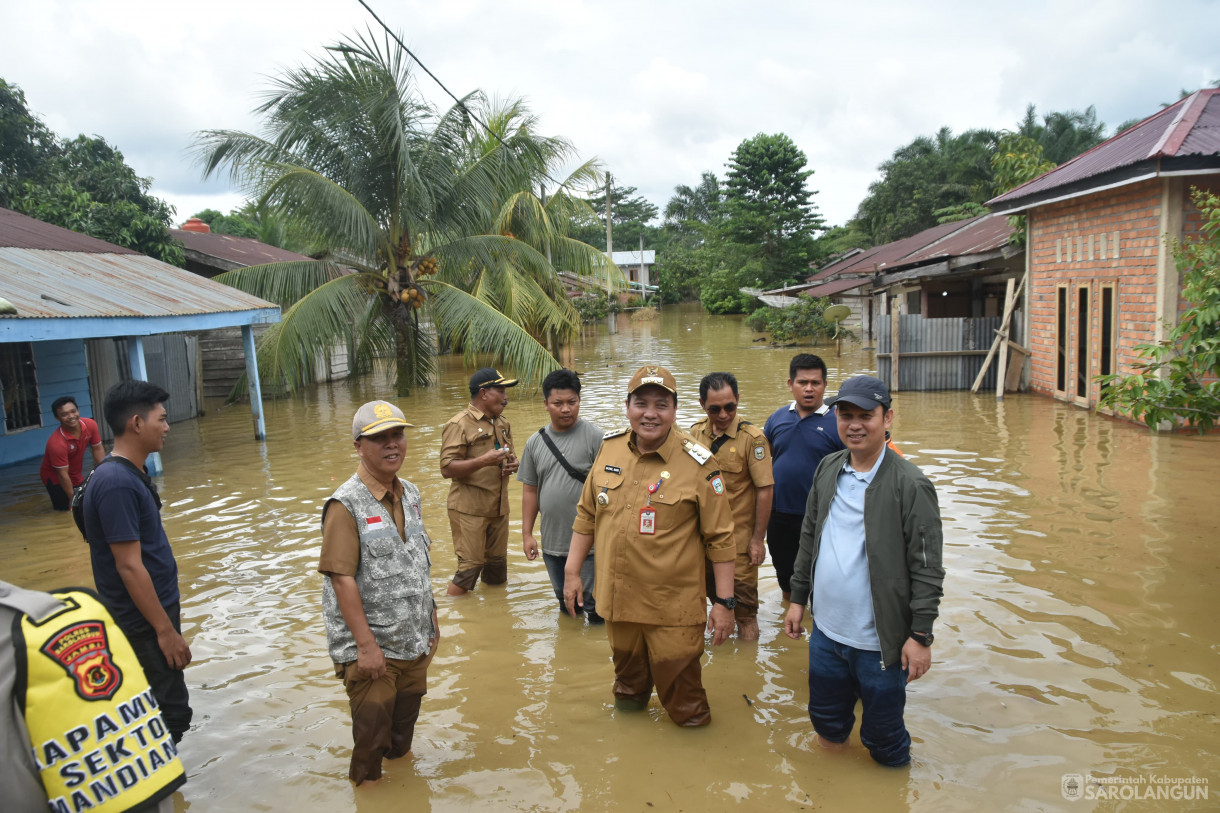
(902, 540)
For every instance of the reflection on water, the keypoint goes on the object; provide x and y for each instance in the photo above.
(1077, 632)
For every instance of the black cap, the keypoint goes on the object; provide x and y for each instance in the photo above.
(489, 377)
(864, 391)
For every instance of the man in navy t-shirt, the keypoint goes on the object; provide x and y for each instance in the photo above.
(133, 565)
(800, 434)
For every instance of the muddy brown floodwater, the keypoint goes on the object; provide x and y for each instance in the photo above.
(1077, 634)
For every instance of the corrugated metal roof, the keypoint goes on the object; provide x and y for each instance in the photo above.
(1190, 127)
(986, 234)
(633, 257)
(21, 231)
(837, 286)
(44, 283)
(239, 250)
(67, 275)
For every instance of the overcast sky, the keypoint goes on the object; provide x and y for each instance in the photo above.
(659, 91)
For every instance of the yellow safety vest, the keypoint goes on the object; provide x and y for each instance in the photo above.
(95, 728)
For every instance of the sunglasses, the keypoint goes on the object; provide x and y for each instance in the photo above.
(715, 409)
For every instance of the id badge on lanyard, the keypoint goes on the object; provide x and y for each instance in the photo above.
(648, 514)
(648, 520)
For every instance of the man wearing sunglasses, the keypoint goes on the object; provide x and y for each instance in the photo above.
(744, 457)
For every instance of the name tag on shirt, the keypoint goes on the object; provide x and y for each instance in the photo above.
(374, 523)
(648, 520)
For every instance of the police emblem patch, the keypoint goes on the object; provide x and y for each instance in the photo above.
(717, 484)
(759, 452)
(84, 652)
(383, 411)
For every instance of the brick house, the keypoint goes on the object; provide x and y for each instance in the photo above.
(1102, 277)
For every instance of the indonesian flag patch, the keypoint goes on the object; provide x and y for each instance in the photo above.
(374, 523)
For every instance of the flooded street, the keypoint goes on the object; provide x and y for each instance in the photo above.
(1077, 634)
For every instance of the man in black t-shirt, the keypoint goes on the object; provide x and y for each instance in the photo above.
(133, 565)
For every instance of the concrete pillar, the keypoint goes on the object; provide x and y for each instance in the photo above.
(253, 384)
(139, 372)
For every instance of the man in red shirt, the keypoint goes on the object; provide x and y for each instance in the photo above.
(65, 454)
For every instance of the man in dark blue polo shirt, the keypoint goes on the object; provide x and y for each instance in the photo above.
(134, 567)
(800, 434)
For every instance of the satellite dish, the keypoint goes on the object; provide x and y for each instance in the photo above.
(836, 314)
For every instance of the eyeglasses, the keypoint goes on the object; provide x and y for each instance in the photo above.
(715, 409)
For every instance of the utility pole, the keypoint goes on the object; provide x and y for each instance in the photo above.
(609, 234)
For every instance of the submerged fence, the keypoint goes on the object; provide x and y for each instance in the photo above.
(940, 354)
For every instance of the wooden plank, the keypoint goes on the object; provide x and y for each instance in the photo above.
(1010, 302)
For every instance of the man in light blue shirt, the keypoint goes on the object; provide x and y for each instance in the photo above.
(870, 559)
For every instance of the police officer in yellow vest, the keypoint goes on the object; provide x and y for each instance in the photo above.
(744, 457)
(79, 727)
(655, 505)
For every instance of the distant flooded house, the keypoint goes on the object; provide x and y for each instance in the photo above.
(222, 358)
(1102, 276)
(946, 286)
(79, 314)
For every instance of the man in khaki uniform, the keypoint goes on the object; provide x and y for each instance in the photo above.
(744, 458)
(477, 456)
(656, 507)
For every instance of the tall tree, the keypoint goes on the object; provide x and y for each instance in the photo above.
(1063, 135)
(631, 214)
(408, 198)
(692, 209)
(927, 175)
(767, 203)
(83, 184)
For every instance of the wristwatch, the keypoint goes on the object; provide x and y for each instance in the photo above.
(925, 638)
(729, 602)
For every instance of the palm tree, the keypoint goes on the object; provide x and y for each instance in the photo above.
(408, 200)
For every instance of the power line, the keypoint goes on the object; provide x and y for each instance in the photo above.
(456, 100)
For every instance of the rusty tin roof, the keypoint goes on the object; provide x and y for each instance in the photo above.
(50, 272)
(238, 251)
(1183, 136)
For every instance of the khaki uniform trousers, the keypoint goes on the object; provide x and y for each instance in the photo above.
(645, 654)
(384, 712)
(481, 545)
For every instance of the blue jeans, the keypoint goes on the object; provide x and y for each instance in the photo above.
(554, 568)
(838, 676)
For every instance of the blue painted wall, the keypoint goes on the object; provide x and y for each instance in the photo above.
(61, 370)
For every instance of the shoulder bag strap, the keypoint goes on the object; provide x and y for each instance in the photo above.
(563, 461)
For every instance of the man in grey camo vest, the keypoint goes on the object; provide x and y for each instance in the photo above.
(381, 627)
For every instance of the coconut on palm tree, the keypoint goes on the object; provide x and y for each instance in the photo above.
(413, 203)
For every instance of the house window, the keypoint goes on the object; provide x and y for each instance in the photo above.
(914, 302)
(1107, 333)
(19, 386)
(1082, 342)
(1061, 338)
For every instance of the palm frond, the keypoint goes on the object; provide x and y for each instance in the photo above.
(281, 283)
(478, 328)
(289, 350)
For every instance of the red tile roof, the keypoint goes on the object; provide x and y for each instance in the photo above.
(1188, 129)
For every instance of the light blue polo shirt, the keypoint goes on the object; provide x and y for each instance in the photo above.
(842, 597)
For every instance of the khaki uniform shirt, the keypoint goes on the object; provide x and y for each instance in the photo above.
(469, 434)
(745, 461)
(654, 578)
(341, 538)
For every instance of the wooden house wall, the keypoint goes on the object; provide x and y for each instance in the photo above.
(61, 369)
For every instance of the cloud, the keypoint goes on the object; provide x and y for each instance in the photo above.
(659, 91)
